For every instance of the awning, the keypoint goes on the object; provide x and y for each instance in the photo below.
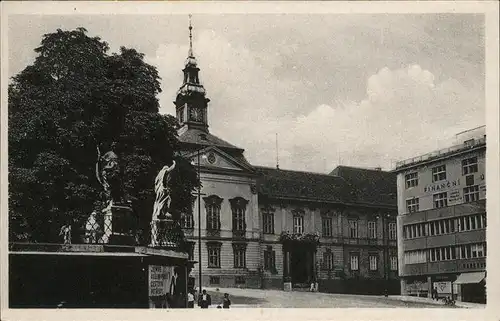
(470, 278)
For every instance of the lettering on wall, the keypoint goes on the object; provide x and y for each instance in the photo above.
(441, 186)
(454, 197)
(159, 279)
(443, 287)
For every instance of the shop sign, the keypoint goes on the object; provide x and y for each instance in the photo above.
(443, 287)
(441, 186)
(454, 197)
(417, 286)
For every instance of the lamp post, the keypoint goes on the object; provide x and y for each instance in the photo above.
(385, 247)
(199, 222)
(199, 217)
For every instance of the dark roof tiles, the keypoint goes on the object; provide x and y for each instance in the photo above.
(199, 137)
(370, 186)
(302, 185)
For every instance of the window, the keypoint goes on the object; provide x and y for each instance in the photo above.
(214, 255)
(328, 260)
(327, 226)
(411, 180)
(298, 224)
(239, 279)
(372, 230)
(477, 250)
(414, 231)
(269, 259)
(440, 200)
(353, 229)
(373, 262)
(238, 219)
(214, 280)
(394, 263)
(439, 173)
(412, 205)
(191, 250)
(415, 257)
(471, 193)
(238, 207)
(212, 206)
(187, 221)
(239, 251)
(268, 221)
(469, 166)
(354, 262)
(471, 222)
(446, 253)
(392, 231)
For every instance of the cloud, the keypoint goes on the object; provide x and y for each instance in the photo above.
(405, 111)
(404, 114)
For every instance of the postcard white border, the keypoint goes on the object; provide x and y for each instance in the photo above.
(489, 8)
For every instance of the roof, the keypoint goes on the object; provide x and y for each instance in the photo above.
(200, 137)
(279, 183)
(370, 186)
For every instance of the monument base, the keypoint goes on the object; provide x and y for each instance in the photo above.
(120, 225)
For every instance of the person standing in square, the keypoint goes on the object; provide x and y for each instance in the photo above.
(190, 298)
(205, 300)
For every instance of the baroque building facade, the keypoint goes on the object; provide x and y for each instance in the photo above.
(442, 221)
(272, 228)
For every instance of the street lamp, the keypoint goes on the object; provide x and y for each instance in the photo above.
(199, 216)
(385, 249)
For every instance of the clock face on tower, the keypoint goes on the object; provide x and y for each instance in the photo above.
(196, 114)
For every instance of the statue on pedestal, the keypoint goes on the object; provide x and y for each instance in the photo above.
(162, 218)
(109, 176)
(162, 203)
(116, 221)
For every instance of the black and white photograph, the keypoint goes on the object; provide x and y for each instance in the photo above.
(176, 157)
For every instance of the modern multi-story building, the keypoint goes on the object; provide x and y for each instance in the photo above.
(442, 220)
(269, 227)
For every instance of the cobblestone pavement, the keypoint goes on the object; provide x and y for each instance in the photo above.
(250, 298)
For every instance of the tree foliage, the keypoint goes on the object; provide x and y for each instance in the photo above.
(73, 98)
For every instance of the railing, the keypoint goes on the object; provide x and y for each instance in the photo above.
(441, 152)
(122, 228)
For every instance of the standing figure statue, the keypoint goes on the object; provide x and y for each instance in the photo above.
(109, 176)
(162, 203)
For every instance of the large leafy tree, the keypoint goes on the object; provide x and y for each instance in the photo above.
(74, 98)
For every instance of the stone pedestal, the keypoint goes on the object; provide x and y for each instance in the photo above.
(119, 225)
(287, 286)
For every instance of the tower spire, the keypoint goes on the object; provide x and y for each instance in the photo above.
(190, 38)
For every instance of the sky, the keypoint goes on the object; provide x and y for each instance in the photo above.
(360, 90)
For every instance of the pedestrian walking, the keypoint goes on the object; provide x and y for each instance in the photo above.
(205, 300)
(190, 300)
(226, 302)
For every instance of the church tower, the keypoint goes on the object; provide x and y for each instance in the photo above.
(191, 103)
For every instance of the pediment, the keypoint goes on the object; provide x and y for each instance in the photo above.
(214, 158)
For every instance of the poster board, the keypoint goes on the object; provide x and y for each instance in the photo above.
(159, 279)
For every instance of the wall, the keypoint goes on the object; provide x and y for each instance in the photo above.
(454, 183)
(227, 187)
(340, 244)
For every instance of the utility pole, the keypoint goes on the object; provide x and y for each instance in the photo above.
(199, 222)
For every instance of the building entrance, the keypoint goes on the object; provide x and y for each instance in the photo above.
(302, 265)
